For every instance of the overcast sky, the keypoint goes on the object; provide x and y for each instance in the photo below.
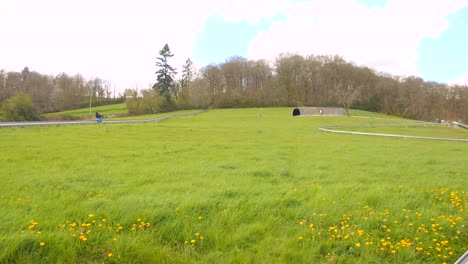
(118, 40)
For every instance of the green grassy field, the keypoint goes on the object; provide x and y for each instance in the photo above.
(150, 116)
(229, 186)
(104, 110)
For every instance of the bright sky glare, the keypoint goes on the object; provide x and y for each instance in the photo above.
(118, 40)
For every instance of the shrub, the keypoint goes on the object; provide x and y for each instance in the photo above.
(19, 108)
(150, 102)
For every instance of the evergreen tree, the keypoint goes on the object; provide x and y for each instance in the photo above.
(187, 73)
(165, 75)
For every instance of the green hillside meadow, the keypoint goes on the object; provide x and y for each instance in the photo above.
(104, 110)
(231, 186)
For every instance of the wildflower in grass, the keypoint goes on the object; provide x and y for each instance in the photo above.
(41, 244)
(103, 220)
(110, 254)
(202, 237)
(200, 217)
(91, 215)
(301, 223)
(193, 241)
(197, 234)
(360, 232)
(419, 249)
(300, 238)
(358, 244)
(393, 251)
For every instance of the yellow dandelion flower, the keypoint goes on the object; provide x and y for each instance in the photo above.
(202, 237)
(193, 241)
(197, 234)
(300, 238)
(358, 244)
(90, 215)
(110, 254)
(393, 251)
(419, 248)
(200, 217)
(41, 244)
(301, 223)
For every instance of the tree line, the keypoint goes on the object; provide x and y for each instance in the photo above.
(295, 80)
(291, 80)
(45, 93)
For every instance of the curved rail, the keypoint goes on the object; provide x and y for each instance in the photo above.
(59, 123)
(463, 259)
(332, 129)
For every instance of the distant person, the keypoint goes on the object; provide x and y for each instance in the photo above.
(98, 117)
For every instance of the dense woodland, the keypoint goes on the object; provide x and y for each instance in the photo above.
(291, 80)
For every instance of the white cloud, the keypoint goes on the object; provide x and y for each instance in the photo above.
(383, 38)
(118, 40)
(463, 80)
(114, 40)
(249, 10)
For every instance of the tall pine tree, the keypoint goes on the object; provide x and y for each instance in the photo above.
(187, 73)
(165, 85)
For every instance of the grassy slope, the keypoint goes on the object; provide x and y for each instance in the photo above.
(257, 177)
(150, 116)
(104, 110)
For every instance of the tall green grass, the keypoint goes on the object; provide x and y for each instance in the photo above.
(104, 110)
(229, 186)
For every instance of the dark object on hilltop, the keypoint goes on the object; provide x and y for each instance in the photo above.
(319, 111)
(98, 117)
(296, 112)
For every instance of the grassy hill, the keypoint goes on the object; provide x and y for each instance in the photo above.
(104, 110)
(230, 186)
